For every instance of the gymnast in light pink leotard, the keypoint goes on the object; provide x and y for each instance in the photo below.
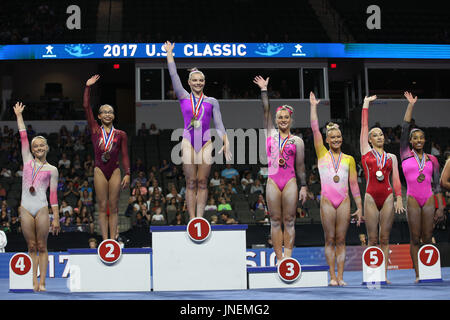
(336, 171)
(285, 155)
(38, 175)
(421, 171)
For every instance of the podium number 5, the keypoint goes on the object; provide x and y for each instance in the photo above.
(373, 257)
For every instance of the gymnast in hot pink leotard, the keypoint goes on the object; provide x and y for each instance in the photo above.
(108, 143)
(336, 171)
(421, 171)
(285, 157)
(38, 175)
(378, 166)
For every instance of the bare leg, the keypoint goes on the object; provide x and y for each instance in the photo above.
(190, 174)
(42, 221)
(371, 218)
(113, 201)
(203, 171)
(27, 223)
(415, 226)
(386, 221)
(342, 223)
(101, 192)
(273, 196)
(289, 200)
(328, 218)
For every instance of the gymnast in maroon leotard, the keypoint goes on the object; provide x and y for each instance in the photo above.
(378, 166)
(108, 143)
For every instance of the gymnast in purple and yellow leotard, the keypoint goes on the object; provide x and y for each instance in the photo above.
(108, 143)
(421, 171)
(336, 171)
(196, 147)
(38, 175)
(285, 160)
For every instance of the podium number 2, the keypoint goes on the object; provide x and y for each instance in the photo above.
(110, 253)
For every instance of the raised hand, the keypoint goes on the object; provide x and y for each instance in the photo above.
(18, 108)
(370, 99)
(409, 96)
(312, 99)
(261, 82)
(92, 80)
(169, 47)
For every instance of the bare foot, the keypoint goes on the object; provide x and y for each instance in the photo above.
(42, 287)
(417, 280)
(333, 283)
(342, 282)
(387, 281)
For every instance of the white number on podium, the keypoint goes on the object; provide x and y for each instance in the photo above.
(198, 226)
(373, 257)
(20, 264)
(430, 255)
(290, 269)
(110, 253)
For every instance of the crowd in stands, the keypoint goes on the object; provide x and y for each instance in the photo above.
(157, 192)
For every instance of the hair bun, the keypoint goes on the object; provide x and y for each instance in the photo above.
(332, 125)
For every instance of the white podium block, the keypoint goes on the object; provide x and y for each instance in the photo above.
(373, 264)
(21, 273)
(268, 277)
(217, 263)
(88, 273)
(429, 263)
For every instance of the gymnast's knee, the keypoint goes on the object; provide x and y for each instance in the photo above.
(202, 183)
(191, 184)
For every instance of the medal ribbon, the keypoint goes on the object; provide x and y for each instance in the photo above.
(421, 163)
(336, 165)
(35, 171)
(107, 139)
(283, 144)
(381, 158)
(196, 105)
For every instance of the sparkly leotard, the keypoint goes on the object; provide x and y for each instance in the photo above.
(281, 174)
(335, 192)
(119, 143)
(210, 108)
(46, 176)
(421, 191)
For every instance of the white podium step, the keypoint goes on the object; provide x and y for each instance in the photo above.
(132, 272)
(268, 277)
(217, 263)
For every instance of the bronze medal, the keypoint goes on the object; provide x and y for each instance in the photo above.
(336, 178)
(32, 190)
(281, 162)
(420, 178)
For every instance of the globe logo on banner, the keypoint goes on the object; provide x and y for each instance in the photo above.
(78, 50)
(269, 49)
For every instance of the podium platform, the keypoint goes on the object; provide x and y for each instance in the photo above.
(267, 277)
(132, 272)
(217, 263)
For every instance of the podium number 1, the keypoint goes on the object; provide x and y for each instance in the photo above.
(199, 229)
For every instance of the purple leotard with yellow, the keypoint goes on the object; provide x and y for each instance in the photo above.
(421, 191)
(209, 108)
(118, 145)
(281, 174)
(335, 192)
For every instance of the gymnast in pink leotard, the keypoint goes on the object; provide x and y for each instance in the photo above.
(421, 171)
(378, 166)
(108, 143)
(38, 175)
(336, 171)
(196, 146)
(285, 155)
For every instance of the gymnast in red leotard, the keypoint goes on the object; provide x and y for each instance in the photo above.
(108, 143)
(379, 201)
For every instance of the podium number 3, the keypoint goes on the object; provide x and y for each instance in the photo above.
(290, 269)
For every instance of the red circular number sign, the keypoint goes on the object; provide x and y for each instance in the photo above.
(373, 257)
(428, 255)
(20, 264)
(109, 251)
(289, 269)
(198, 229)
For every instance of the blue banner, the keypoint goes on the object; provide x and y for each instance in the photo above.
(224, 50)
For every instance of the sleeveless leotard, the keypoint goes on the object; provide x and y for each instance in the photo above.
(119, 143)
(210, 108)
(47, 176)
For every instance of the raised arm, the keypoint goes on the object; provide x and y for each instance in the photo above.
(445, 176)
(26, 153)
(300, 168)
(92, 123)
(262, 84)
(180, 92)
(412, 100)
(318, 140)
(364, 137)
(405, 151)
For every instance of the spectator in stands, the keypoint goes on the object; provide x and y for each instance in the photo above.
(86, 187)
(139, 166)
(223, 205)
(174, 194)
(229, 172)
(246, 180)
(158, 217)
(142, 221)
(15, 225)
(230, 189)
(65, 208)
(154, 187)
(362, 240)
(4, 219)
(153, 130)
(92, 243)
(6, 172)
(435, 149)
(141, 178)
(139, 189)
(165, 167)
(87, 218)
(64, 162)
(215, 180)
(2, 193)
(178, 220)
(86, 200)
(71, 194)
(260, 203)
(257, 187)
(19, 172)
(211, 205)
(143, 131)
(225, 218)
